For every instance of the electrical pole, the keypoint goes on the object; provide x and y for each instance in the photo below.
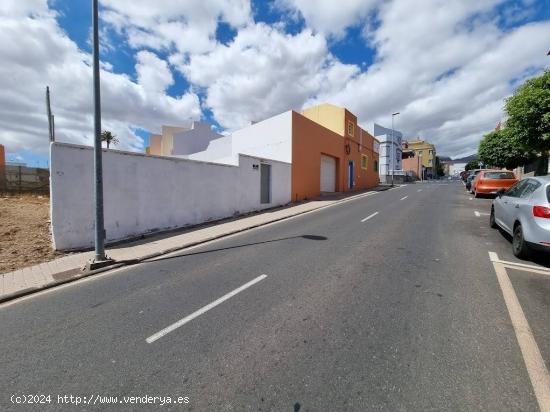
(51, 131)
(99, 259)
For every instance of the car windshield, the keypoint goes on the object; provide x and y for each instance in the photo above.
(499, 175)
(548, 193)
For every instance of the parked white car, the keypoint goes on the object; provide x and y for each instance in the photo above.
(524, 212)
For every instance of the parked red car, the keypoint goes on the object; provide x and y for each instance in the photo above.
(489, 182)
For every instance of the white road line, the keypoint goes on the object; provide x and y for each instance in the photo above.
(369, 217)
(521, 266)
(404, 197)
(479, 214)
(202, 310)
(540, 378)
(419, 190)
(471, 198)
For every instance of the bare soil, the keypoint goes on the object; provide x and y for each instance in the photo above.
(25, 232)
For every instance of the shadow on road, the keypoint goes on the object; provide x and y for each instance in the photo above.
(308, 237)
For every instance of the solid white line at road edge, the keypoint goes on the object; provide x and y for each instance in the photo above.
(404, 197)
(202, 310)
(369, 217)
(536, 368)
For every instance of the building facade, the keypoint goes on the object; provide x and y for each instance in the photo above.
(390, 149)
(421, 156)
(344, 151)
(327, 149)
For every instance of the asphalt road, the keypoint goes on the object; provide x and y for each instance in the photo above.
(400, 311)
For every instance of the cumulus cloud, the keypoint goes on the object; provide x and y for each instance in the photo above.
(263, 72)
(186, 26)
(446, 66)
(328, 16)
(40, 53)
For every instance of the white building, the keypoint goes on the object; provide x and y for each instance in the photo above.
(390, 149)
(456, 168)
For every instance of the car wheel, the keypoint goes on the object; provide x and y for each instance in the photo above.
(519, 245)
(492, 221)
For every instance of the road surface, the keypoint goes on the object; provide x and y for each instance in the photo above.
(387, 302)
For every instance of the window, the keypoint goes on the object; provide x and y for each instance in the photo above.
(420, 152)
(351, 128)
(430, 162)
(529, 188)
(364, 161)
(516, 189)
(499, 175)
(376, 170)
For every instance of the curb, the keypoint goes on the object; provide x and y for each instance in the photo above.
(80, 274)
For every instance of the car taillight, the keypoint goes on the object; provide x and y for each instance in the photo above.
(541, 211)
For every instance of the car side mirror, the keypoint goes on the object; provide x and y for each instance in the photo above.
(501, 192)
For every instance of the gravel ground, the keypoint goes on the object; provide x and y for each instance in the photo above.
(24, 232)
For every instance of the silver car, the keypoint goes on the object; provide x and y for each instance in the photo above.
(524, 212)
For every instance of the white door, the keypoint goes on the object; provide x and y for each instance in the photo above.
(328, 174)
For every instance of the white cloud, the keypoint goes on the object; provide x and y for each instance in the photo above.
(438, 63)
(329, 16)
(153, 73)
(185, 26)
(39, 54)
(263, 72)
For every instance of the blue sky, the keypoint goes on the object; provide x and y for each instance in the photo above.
(443, 65)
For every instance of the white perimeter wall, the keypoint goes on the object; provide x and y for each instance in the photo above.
(149, 193)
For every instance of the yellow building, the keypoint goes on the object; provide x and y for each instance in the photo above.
(425, 152)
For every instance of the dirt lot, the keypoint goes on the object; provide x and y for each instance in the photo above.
(24, 232)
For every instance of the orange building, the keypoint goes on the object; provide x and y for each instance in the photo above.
(323, 160)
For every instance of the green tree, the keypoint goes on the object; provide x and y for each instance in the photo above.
(472, 164)
(502, 149)
(529, 113)
(109, 138)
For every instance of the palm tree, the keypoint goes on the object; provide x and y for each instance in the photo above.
(107, 136)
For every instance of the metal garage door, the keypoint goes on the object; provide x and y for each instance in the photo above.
(328, 174)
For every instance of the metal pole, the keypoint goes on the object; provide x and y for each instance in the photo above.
(99, 225)
(49, 111)
(393, 150)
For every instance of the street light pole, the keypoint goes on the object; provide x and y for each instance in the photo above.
(99, 224)
(394, 151)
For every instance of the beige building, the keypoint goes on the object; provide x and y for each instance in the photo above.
(423, 153)
(162, 144)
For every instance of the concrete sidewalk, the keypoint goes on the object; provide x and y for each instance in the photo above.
(69, 268)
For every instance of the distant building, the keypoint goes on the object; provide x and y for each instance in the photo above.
(420, 155)
(390, 149)
(180, 141)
